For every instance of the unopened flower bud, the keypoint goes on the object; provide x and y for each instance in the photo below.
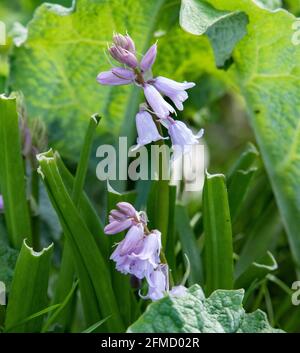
(124, 42)
(149, 58)
(123, 56)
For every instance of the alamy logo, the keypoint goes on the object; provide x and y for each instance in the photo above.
(2, 294)
(296, 294)
(2, 33)
(296, 35)
(187, 164)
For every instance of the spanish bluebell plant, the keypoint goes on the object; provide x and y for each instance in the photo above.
(139, 252)
(155, 89)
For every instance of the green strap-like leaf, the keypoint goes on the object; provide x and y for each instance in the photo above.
(52, 319)
(256, 271)
(29, 288)
(95, 326)
(170, 249)
(66, 274)
(189, 244)
(93, 273)
(218, 251)
(158, 208)
(259, 239)
(12, 174)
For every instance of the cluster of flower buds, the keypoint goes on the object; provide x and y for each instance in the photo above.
(155, 89)
(138, 254)
(123, 50)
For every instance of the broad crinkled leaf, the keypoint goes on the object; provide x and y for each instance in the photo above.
(56, 66)
(223, 28)
(256, 322)
(222, 312)
(270, 4)
(266, 71)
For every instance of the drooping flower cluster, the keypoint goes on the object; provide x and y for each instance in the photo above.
(155, 89)
(138, 253)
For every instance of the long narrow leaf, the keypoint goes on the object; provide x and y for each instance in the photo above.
(158, 208)
(189, 244)
(87, 210)
(12, 174)
(66, 275)
(240, 177)
(91, 307)
(28, 293)
(246, 161)
(88, 259)
(238, 188)
(259, 239)
(218, 248)
(60, 308)
(95, 326)
(36, 315)
(171, 237)
(257, 271)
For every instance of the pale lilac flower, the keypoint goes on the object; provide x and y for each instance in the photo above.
(147, 255)
(149, 248)
(149, 58)
(172, 89)
(123, 218)
(159, 106)
(157, 283)
(181, 136)
(137, 254)
(140, 268)
(116, 77)
(126, 247)
(1, 203)
(146, 129)
(115, 227)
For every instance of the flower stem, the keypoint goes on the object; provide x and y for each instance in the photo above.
(163, 260)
